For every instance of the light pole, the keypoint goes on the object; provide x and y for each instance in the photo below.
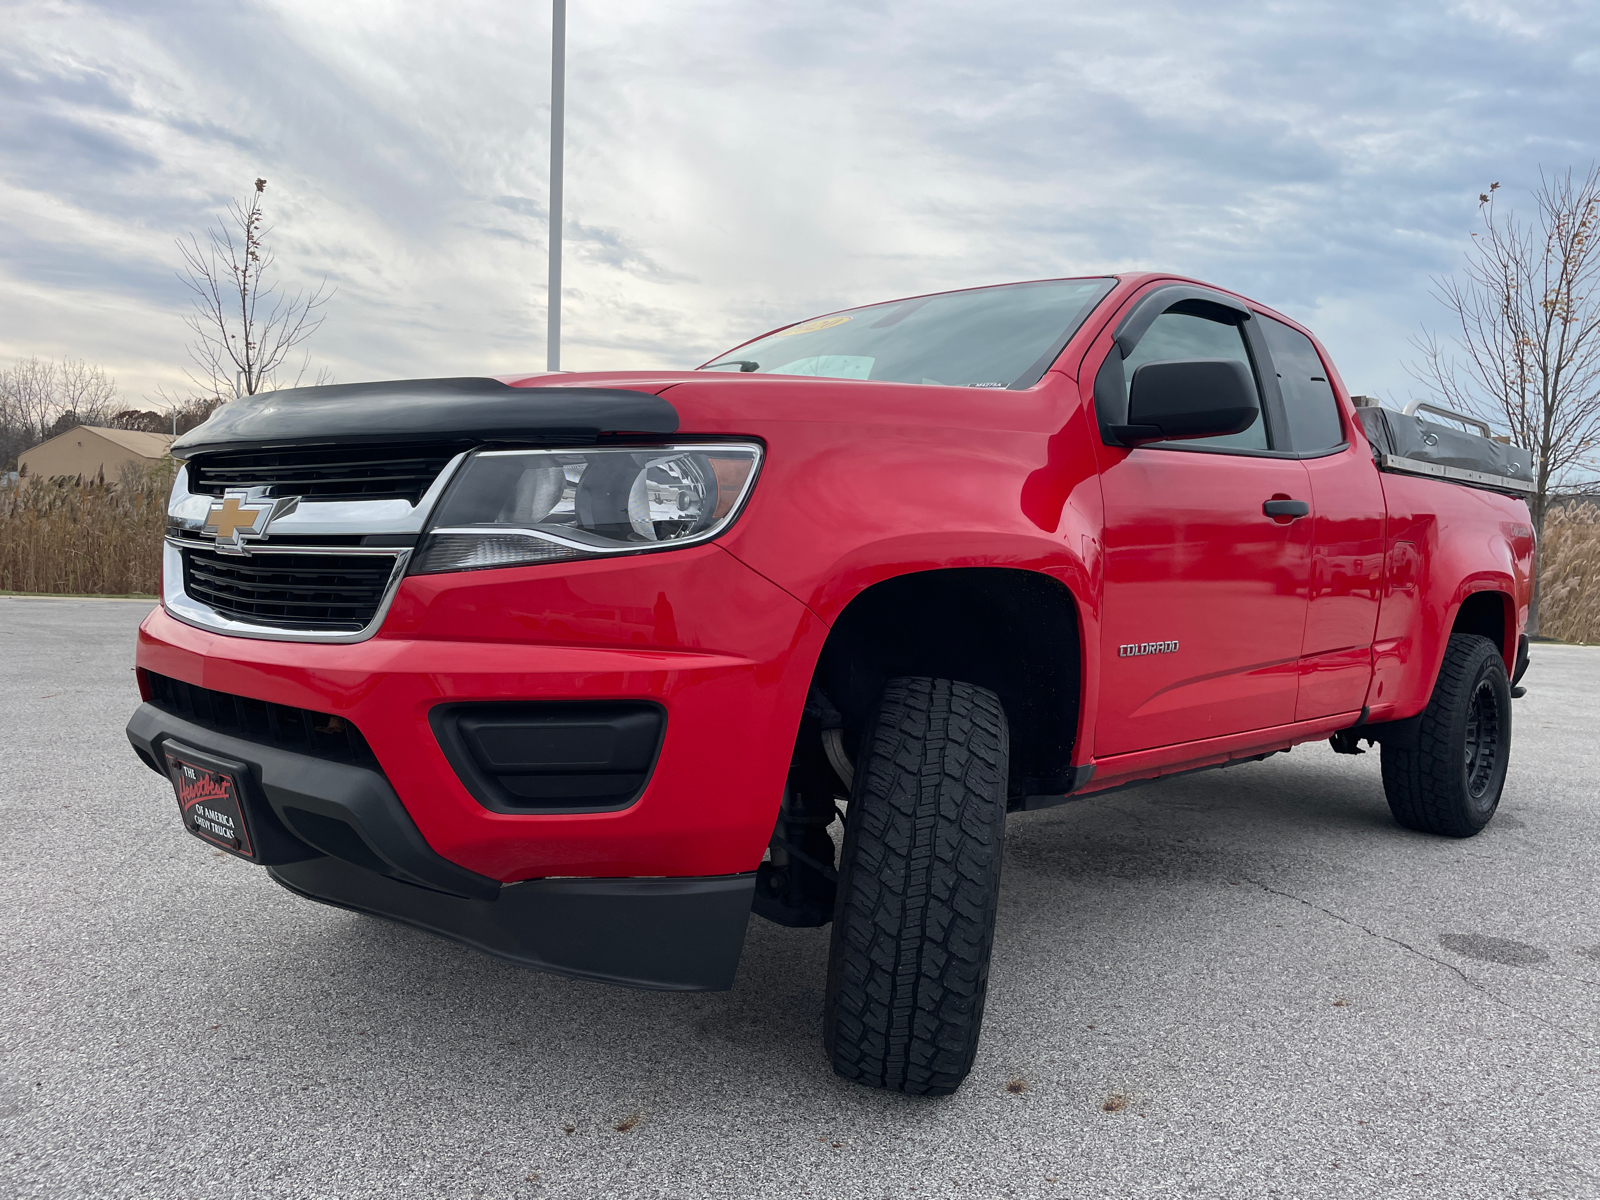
(558, 103)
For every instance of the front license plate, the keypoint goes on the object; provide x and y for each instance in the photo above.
(209, 801)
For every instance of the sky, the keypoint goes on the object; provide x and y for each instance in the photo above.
(732, 166)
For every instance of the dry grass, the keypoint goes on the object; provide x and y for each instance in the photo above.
(1569, 573)
(72, 538)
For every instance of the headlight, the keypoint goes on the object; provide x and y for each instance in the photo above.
(513, 507)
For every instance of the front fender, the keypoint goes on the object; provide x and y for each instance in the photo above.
(840, 509)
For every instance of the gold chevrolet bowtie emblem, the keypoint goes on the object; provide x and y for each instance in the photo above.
(242, 514)
(225, 518)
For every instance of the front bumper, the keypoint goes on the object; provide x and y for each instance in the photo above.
(680, 935)
(654, 894)
(724, 653)
(336, 832)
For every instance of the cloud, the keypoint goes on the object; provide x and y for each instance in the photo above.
(733, 166)
(525, 206)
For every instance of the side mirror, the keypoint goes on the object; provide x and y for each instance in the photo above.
(1195, 398)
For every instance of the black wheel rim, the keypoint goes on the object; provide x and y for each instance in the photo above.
(1482, 750)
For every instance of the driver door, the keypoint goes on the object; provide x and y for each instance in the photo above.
(1205, 595)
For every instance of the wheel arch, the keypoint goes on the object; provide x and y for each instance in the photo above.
(1012, 630)
(1491, 614)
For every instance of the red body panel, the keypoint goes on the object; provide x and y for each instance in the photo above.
(1191, 559)
(1444, 543)
(731, 674)
(1287, 628)
(1347, 528)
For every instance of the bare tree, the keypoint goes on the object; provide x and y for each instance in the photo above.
(186, 414)
(1525, 350)
(85, 389)
(40, 399)
(244, 331)
(143, 420)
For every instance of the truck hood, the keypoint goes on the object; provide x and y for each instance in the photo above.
(568, 408)
(714, 401)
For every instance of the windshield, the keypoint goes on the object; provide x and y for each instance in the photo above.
(994, 337)
(1004, 336)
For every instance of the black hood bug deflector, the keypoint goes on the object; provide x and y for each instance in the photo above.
(427, 410)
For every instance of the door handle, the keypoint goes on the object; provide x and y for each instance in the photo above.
(1286, 508)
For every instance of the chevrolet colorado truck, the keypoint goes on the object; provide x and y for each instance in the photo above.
(579, 669)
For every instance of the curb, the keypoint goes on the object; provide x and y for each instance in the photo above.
(73, 596)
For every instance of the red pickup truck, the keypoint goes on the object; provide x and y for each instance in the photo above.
(579, 669)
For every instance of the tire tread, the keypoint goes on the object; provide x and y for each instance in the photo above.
(919, 882)
(1425, 783)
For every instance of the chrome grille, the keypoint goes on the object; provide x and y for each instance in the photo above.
(326, 592)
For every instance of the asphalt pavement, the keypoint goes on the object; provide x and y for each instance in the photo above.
(1246, 983)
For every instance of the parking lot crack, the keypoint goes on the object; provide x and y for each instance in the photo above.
(1423, 954)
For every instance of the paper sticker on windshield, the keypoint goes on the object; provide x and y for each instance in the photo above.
(831, 366)
(812, 326)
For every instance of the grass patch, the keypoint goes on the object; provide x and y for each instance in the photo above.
(1569, 573)
(67, 537)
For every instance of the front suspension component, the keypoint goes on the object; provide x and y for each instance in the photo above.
(796, 886)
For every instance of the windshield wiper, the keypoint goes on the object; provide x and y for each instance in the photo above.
(745, 365)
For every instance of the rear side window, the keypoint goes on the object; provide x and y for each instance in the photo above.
(1307, 394)
(1180, 335)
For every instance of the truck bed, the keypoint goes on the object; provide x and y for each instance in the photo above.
(1410, 444)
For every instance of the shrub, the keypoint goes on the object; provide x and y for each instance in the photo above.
(67, 536)
(1569, 572)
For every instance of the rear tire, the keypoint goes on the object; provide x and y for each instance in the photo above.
(1448, 781)
(919, 882)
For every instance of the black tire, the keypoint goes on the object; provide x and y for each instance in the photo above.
(919, 880)
(1449, 780)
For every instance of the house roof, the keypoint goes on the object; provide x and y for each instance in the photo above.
(146, 445)
(151, 445)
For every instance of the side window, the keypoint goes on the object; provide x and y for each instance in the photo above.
(1307, 394)
(1178, 335)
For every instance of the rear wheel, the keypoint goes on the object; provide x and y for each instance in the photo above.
(1448, 780)
(919, 881)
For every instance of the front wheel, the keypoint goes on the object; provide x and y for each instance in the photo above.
(1448, 780)
(919, 881)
